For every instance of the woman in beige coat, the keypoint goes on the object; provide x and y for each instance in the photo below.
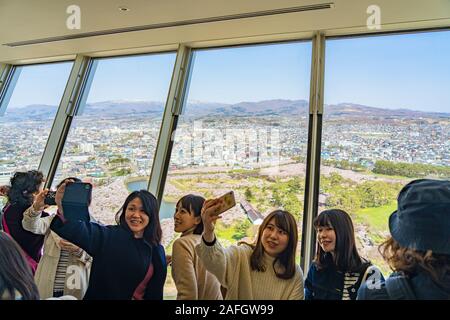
(191, 278)
(64, 268)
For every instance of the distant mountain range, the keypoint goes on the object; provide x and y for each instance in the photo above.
(198, 109)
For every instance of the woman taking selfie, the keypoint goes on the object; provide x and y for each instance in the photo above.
(128, 259)
(263, 271)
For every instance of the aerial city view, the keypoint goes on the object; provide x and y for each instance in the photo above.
(245, 128)
(258, 150)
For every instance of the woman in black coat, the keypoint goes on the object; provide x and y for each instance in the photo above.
(128, 259)
(338, 270)
(21, 194)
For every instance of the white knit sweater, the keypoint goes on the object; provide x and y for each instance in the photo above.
(232, 267)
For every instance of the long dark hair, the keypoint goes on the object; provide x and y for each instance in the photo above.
(15, 273)
(346, 256)
(193, 204)
(152, 232)
(285, 221)
(23, 185)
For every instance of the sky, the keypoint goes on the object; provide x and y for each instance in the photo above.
(409, 71)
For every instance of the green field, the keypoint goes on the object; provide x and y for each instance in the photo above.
(376, 218)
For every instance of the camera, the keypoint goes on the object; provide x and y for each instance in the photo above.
(50, 198)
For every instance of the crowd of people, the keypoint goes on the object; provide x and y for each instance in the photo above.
(56, 256)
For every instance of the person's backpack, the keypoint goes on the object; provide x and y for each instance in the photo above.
(398, 288)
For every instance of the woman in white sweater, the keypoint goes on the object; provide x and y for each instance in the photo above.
(263, 271)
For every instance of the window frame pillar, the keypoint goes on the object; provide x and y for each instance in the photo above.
(174, 107)
(314, 149)
(73, 99)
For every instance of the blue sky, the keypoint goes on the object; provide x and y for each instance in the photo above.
(402, 71)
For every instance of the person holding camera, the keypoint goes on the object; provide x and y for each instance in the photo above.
(262, 271)
(24, 186)
(128, 260)
(64, 268)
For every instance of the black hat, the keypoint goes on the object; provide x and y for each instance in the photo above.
(422, 219)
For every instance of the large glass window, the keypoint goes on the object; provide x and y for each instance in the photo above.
(386, 122)
(28, 118)
(244, 129)
(112, 140)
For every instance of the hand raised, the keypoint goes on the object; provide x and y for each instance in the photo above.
(60, 193)
(39, 201)
(209, 218)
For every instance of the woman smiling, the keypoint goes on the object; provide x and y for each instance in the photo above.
(193, 281)
(262, 271)
(337, 271)
(128, 259)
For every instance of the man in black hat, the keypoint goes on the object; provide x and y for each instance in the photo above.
(419, 247)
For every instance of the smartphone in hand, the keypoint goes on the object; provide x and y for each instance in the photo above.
(77, 194)
(50, 198)
(76, 200)
(227, 202)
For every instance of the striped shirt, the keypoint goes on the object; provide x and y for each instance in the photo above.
(61, 270)
(350, 281)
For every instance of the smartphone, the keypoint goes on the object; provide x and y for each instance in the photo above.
(76, 200)
(50, 198)
(228, 202)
